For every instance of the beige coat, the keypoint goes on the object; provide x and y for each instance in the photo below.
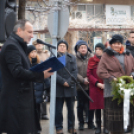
(82, 69)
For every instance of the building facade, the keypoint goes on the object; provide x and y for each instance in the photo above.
(93, 22)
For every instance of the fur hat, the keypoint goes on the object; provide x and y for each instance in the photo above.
(116, 38)
(30, 48)
(79, 43)
(100, 45)
(64, 42)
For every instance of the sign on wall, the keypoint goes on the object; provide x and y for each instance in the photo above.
(97, 40)
(117, 15)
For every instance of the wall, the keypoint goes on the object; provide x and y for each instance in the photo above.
(116, 2)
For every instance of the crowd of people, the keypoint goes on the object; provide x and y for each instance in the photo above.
(23, 93)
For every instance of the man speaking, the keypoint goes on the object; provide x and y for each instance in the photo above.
(17, 108)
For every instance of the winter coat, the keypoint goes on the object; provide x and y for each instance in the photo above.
(128, 43)
(131, 49)
(0, 81)
(63, 76)
(82, 69)
(38, 91)
(17, 105)
(110, 67)
(95, 93)
(40, 87)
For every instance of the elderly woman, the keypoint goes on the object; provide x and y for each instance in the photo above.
(115, 62)
(96, 86)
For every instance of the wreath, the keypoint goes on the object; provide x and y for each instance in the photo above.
(123, 82)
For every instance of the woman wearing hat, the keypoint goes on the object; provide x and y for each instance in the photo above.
(96, 86)
(38, 87)
(115, 62)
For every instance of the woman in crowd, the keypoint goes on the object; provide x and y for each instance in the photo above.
(96, 86)
(38, 87)
(115, 62)
(43, 56)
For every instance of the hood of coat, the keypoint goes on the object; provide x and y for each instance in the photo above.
(79, 43)
(128, 43)
(111, 52)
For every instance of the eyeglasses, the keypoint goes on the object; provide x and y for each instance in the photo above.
(62, 45)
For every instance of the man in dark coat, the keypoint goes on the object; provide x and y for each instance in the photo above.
(17, 108)
(130, 43)
(65, 89)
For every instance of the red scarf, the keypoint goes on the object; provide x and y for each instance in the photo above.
(93, 62)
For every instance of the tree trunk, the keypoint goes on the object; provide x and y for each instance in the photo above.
(21, 10)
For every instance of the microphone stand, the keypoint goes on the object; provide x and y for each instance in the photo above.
(73, 78)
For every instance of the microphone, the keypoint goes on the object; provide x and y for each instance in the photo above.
(42, 42)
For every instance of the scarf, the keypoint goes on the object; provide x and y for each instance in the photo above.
(34, 61)
(84, 56)
(93, 62)
(121, 50)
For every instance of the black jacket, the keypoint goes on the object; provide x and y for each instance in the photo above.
(63, 76)
(40, 87)
(17, 106)
(131, 49)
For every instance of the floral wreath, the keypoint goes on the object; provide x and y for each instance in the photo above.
(123, 82)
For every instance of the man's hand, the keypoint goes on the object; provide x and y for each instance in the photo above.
(131, 76)
(47, 74)
(86, 82)
(100, 85)
(115, 79)
(66, 84)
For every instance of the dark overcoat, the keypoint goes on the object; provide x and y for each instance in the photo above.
(63, 76)
(17, 108)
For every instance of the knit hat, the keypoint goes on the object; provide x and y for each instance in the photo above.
(30, 48)
(100, 45)
(116, 38)
(64, 42)
(79, 43)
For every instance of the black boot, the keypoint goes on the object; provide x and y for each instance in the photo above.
(98, 130)
(91, 126)
(105, 131)
(98, 121)
(81, 126)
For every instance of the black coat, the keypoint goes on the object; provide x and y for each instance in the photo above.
(63, 76)
(40, 87)
(131, 49)
(17, 105)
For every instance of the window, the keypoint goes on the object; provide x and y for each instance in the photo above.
(81, 7)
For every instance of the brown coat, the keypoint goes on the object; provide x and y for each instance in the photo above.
(82, 69)
(110, 67)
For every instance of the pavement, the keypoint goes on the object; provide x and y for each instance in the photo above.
(45, 123)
